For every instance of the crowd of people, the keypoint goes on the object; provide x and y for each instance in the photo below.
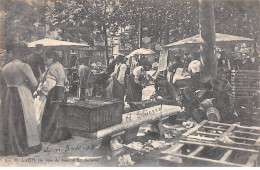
(41, 78)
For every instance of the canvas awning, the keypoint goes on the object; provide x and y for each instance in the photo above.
(47, 42)
(220, 38)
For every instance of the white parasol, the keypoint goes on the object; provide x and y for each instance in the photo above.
(141, 51)
(47, 42)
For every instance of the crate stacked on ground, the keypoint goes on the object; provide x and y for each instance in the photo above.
(225, 134)
(90, 115)
(216, 144)
(245, 83)
(207, 154)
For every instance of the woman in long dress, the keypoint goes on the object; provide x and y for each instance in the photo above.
(18, 129)
(53, 88)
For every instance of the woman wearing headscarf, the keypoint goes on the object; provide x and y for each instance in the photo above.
(52, 87)
(18, 129)
(135, 84)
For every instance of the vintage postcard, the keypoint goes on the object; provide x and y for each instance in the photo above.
(129, 83)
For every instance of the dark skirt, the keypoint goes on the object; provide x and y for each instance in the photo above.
(133, 91)
(113, 89)
(49, 126)
(13, 136)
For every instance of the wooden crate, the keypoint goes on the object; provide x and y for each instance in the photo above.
(245, 83)
(214, 132)
(208, 154)
(90, 115)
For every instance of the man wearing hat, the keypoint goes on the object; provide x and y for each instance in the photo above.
(36, 61)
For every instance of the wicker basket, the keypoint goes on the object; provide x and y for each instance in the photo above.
(91, 115)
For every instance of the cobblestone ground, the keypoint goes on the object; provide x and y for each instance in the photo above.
(79, 151)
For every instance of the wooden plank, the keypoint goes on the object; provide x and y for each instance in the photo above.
(196, 151)
(202, 138)
(217, 123)
(209, 160)
(248, 139)
(226, 155)
(257, 143)
(251, 160)
(208, 127)
(173, 149)
(249, 127)
(190, 131)
(205, 133)
(220, 146)
(137, 118)
(245, 87)
(170, 149)
(245, 145)
(249, 133)
(230, 129)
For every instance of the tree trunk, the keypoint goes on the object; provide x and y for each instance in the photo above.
(166, 36)
(105, 34)
(207, 33)
(106, 44)
(140, 31)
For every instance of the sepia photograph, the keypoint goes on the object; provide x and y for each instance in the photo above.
(129, 83)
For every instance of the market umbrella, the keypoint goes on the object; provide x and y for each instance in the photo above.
(47, 42)
(140, 51)
(220, 38)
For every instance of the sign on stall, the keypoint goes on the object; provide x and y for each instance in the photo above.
(163, 60)
(139, 114)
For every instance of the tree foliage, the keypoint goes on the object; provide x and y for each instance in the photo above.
(93, 21)
(21, 21)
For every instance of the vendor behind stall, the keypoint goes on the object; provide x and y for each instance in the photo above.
(135, 84)
(194, 69)
(166, 90)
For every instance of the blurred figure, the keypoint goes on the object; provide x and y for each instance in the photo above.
(155, 64)
(247, 63)
(223, 63)
(18, 128)
(194, 69)
(111, 65)
(86, 79)
(52, 86)
(173, 67)
(134, 62)
(255, 60)
(36, 61)
(237, 62)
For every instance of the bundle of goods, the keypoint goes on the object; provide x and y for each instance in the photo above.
(214, 102)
